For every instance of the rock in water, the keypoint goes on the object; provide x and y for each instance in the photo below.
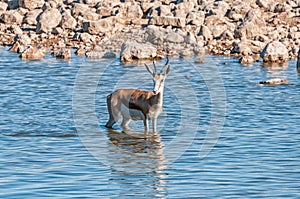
(32, 53)
(131, 50)
(275, 81)
(275, 51)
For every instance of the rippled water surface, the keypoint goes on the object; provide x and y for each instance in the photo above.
(220, 135)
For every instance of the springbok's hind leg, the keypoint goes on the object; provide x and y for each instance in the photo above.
(110, 123)
(112, 112)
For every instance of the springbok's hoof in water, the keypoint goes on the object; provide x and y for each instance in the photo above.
(275, 81)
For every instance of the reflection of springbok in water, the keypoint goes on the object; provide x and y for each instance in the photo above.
(134, 104)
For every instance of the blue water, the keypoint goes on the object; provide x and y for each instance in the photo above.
(220, 135)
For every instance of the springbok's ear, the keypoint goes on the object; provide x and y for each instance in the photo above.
(149, 70)
(167, 69)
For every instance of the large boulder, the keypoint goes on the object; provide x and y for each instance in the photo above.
(31, 4)
(275, 51)
(32, 53)
(31, 16)
(68, 21)
(48, 20)
(154, 35)
(253, 25)
(174, 37)
(131, 50)
(97, 27)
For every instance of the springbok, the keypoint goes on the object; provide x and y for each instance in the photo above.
(133, 104)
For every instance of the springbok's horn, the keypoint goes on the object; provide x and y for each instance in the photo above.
(167, 60)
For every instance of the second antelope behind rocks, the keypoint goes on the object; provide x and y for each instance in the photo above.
(133, 104)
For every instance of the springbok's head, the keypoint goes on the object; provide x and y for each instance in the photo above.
(159, 78)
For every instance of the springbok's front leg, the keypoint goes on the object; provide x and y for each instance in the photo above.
(154, 124)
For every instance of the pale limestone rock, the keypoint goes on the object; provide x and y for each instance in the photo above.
(91, 3)
(190, 38)
(242, 47)
(11, 17)
(31, 16)
(206, 33)
(78, 8)
(15, 29)
(253, 25)
(23, 39)
(48, 20)
(174, 37)
(195, 18)
(100, 55)
(31, 4)
(133, 11)
(86, 37)
(32, 53)
(90, 15)
(62, 54)
(104, 11)
(131, 50)
(168, 21)
(68, 21)
(80, 51)
(164, 10)
(3, 6)
(264, 3)
(275, 51)
(227, 35)
(154, 35)
(246, 60)
(57, 31)
(97, 27)
(17, 48)
(273, 82)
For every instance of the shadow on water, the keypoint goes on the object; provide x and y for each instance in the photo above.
(44, 134)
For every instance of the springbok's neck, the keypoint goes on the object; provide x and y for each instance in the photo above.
(160, 96)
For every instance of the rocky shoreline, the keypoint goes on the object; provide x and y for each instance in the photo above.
(249, 30)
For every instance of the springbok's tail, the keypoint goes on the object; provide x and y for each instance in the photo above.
(111, 120)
